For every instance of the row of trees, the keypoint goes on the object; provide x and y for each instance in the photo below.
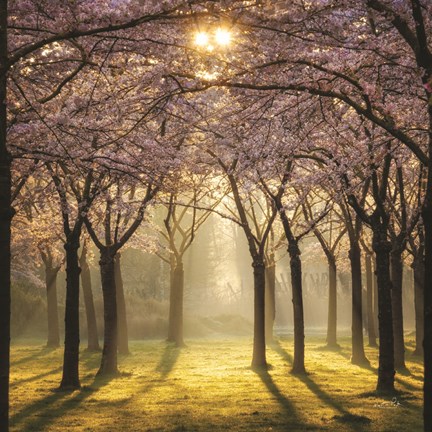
(305, 117)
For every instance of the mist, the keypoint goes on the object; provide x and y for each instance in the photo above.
(218, 294)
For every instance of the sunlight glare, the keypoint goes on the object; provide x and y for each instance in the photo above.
(201, 39)
(223, 36)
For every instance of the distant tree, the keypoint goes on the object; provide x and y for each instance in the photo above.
(51, 272)
(329, 234)
(276, 190)
(92, 329)
(416, 248)
(371, 299)
(185, 215)
(257, 238)
(274, 243)
(41, 231)
(403, 221)
(354, 227)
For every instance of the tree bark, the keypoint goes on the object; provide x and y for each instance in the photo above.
(375, 293)
(171, 332)
(52, 305)
(175, 322)
(109, 353)
(370, 302)
(270, 301)
(358, 354)
(259, 347)
(427, 225)
(6, 213)
(92, 330)
(297, 298)
(256, 250)
(427, 306)
(386, 370)
(123, 340)
(332, 306)
(297, 291)
(70, 377)
(419, 280)
(397, 309)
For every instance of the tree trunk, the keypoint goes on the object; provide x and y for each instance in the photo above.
(375, 297)
(386, 370)
(358, 354)
(427, 341)
(419, 280)
(175, 322)
(92, 331)
(52, 305)
(123, 342)
(109, 353)
(370, 301)
(259, 347)
(270, 302)
(332, 306)
(70, 378)
(397, 310)
(171, 332)
(6, 213)
(297, 299)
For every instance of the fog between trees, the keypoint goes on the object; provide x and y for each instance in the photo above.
(218, 290)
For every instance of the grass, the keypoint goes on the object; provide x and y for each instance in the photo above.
(209, 386)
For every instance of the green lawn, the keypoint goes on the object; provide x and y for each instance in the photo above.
(209, 386)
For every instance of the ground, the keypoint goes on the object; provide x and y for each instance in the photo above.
(209, 386)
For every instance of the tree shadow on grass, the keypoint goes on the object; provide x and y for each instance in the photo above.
(165, 366)
(407, 384)
(417, 377)
(38, 415)
(411, 372)
(276, 346)
(290, 411)
(345, 354)
(42, 351)
(35, 377)
(365, 364)
(90, 359)
(329, 348)
(355, 422)
(168, 360)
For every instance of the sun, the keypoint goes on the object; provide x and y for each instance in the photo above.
(213, 39)
(223, 36)
(201, 39)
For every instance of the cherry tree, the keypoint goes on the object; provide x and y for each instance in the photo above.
(30, 28)
(86, 282)
(45, 232)
(185, 214)
(329, 63)
(329, 234)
